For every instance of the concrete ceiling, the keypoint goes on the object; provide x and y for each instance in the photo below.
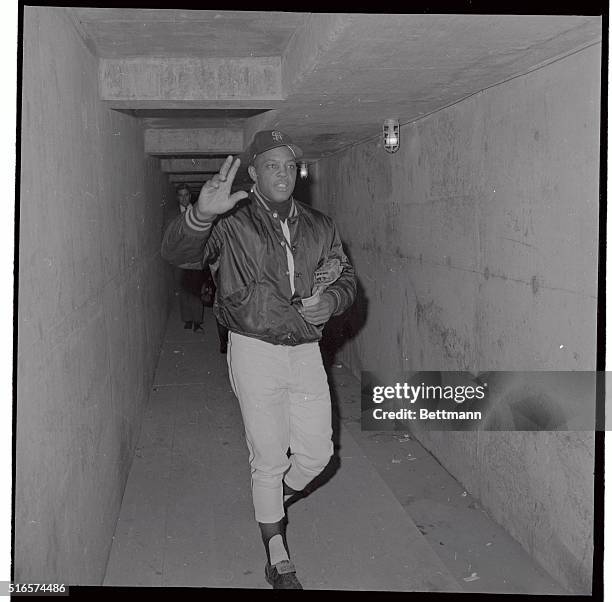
(118, 33)
(327, 79)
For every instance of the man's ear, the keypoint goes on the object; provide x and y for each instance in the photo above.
(252, 173)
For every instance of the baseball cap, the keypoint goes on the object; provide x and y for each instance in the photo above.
(267, 139)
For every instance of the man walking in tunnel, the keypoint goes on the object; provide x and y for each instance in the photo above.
(189, 281)
(281, 273)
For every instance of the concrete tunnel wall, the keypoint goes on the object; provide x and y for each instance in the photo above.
(476, 248)
(93, 301)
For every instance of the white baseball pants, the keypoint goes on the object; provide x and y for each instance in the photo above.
(285, 403)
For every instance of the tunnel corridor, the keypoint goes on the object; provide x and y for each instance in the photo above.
(186, 515)
(475, 247)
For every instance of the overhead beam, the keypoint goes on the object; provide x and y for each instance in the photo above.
(195, 181)
(190, 177)
(136, 80)
(212, 141)
(193, 186)
(191, 165)
(193, 104)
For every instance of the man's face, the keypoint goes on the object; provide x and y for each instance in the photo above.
(184, 196)
(274, 172)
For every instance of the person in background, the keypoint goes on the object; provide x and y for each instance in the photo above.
(190, 281)
(281, 273)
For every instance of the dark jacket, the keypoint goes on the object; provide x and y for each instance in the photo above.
(248, 260)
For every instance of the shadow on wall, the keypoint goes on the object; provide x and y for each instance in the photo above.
(341, 329)
(302, 190)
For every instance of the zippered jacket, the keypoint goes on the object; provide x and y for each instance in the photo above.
(248, 257)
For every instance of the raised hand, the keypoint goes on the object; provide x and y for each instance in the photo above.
(215, 197)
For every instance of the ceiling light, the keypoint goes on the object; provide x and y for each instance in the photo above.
(303, 170)
(391, 135)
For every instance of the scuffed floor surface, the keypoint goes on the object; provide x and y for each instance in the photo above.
(390, 518)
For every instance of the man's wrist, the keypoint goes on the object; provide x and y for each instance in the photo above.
(203, 216)
(196, 223)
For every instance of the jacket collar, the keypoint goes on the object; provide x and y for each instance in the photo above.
(261, 201)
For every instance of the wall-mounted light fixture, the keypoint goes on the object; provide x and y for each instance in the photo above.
(391, 135)
(303, 170)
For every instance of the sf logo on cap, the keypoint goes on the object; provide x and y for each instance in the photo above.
(277, 136)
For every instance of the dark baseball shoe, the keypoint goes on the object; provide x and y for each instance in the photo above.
(282, 575)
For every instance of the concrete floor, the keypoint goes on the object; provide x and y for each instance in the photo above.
(387, 517)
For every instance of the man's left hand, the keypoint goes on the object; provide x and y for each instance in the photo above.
(320, 312)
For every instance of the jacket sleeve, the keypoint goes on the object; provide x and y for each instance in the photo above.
(344, 288)
(189, 240)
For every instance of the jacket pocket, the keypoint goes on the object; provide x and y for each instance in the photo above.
(238, 297)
